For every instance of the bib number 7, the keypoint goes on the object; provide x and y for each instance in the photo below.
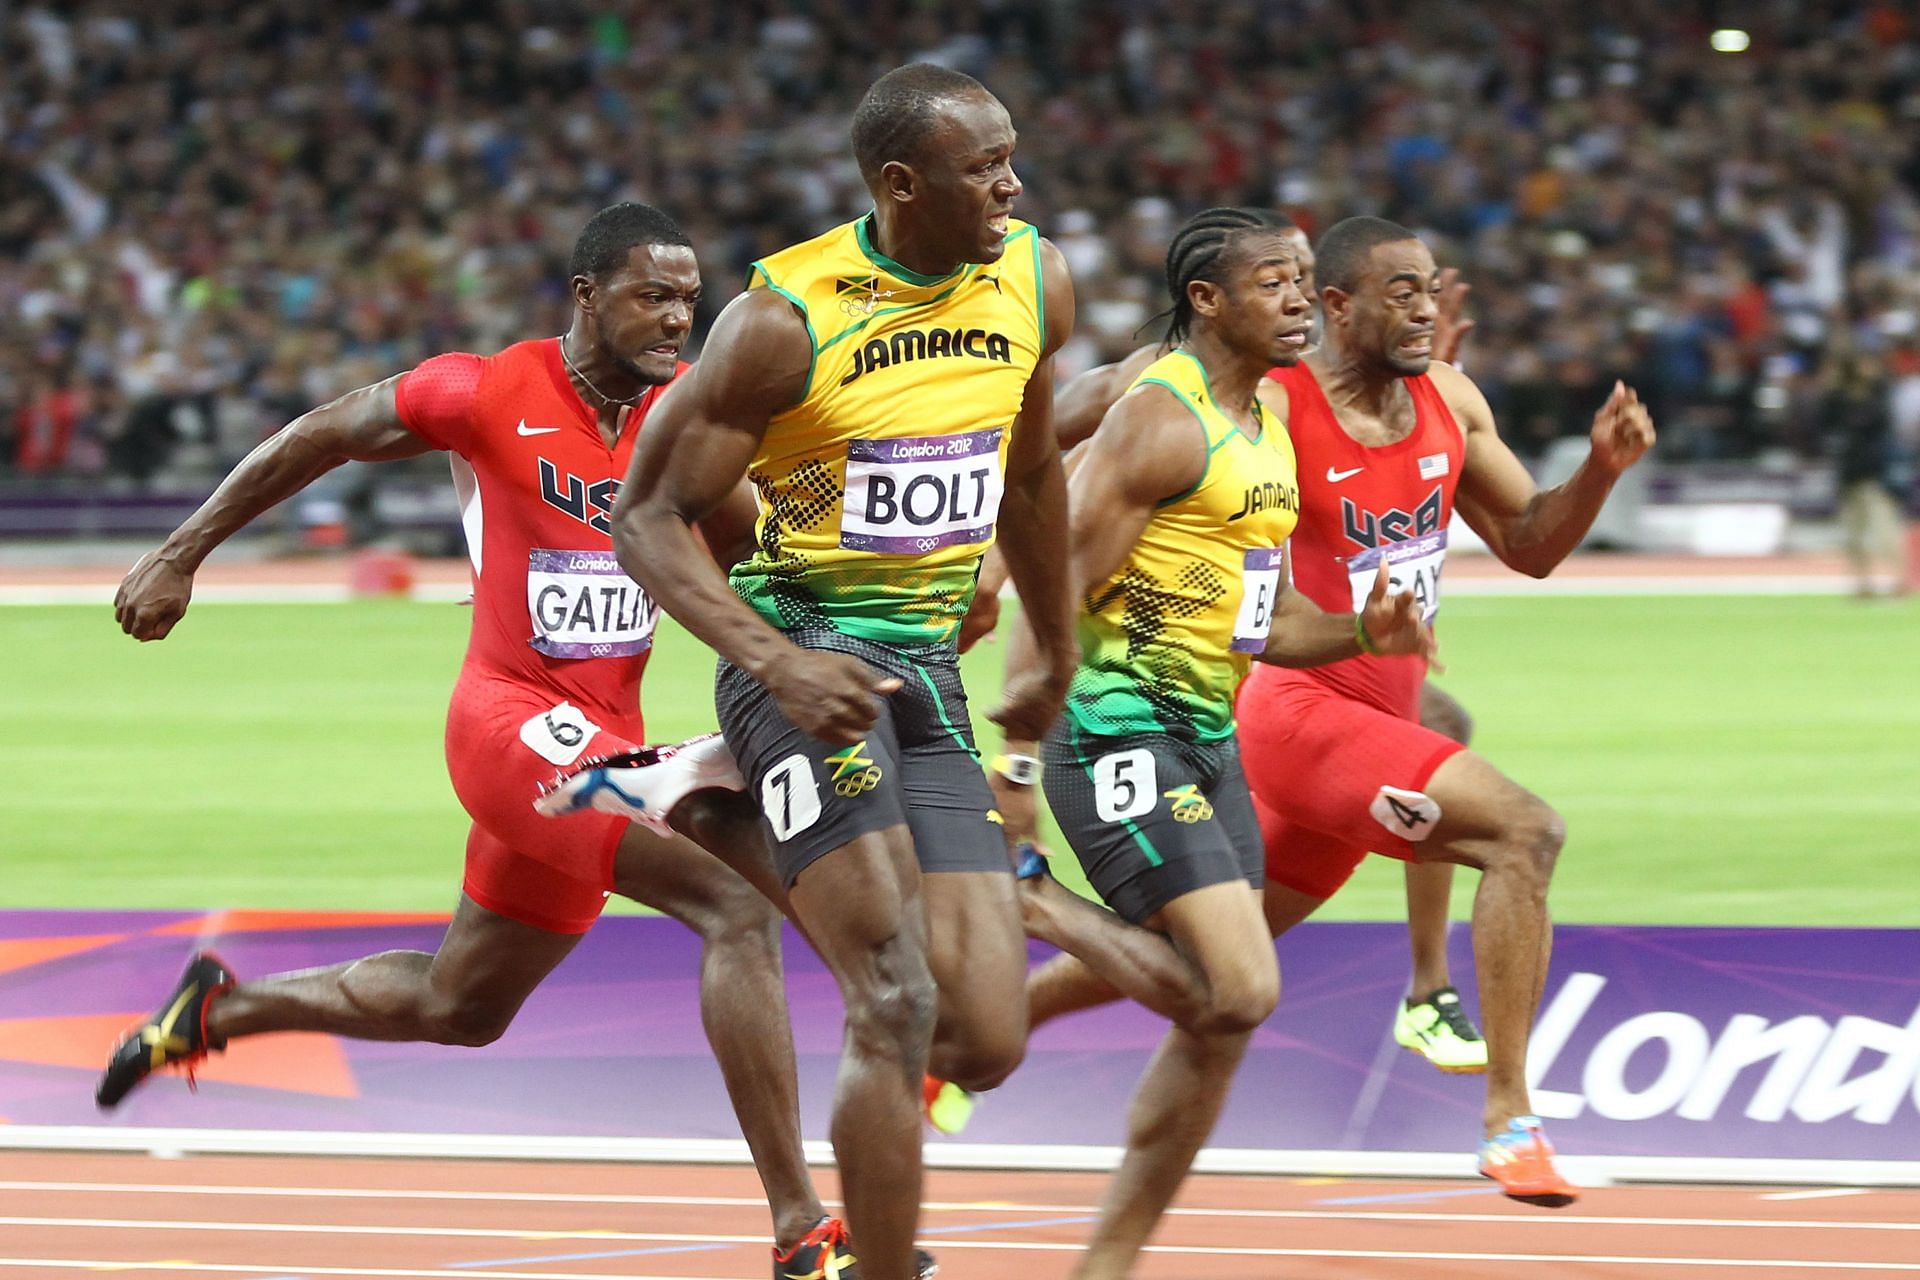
(1125, 785)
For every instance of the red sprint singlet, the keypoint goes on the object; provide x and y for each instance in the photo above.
(560, 633)
(1359, 505)
(1335, 755)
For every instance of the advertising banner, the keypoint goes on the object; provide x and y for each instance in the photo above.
(1749, 1043)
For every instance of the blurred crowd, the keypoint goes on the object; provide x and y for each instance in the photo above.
(214, 214)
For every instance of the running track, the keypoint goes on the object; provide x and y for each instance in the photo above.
(274, 1218)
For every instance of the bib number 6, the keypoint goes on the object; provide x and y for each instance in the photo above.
(1124, 785)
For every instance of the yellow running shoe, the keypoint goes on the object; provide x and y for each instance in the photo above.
(1438, 1029)
(947, 1105)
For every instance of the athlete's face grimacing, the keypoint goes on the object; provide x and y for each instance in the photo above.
(643, 311)
(1390, 316)
(1261, 309)
(965, 179)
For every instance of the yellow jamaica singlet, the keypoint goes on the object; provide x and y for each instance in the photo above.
(1166, 640)
(879, 489)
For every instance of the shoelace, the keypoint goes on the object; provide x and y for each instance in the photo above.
(1455, 1017)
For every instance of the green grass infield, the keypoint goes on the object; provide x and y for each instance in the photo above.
(1719, 760)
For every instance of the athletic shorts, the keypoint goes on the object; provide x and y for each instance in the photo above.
(917, 766)
(1151, 818)
(504, 739)
(1334, 779)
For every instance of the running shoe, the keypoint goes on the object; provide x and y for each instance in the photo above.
(948, 1107)
(644, 784)
(1438, 1029)
(175, 1036)
(1521, 1161)
(825, 1253)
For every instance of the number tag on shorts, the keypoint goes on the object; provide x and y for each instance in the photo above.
(789, 797)
(1411, 815)
(1259, 588)
(559, 736)
(583, 605)
(1413, 565)
(911, 495)
(1125, 785)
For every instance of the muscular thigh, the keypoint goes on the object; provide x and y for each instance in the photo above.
(503, 742)
(1328, 764)
(1151, 818)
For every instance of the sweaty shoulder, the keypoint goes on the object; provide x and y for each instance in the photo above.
(1056, 284)
(760, 352)
(435, 398)
(1151, 432)
(1468, 403)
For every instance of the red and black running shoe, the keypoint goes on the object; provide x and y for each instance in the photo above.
(175, 1036)
(825, 1253)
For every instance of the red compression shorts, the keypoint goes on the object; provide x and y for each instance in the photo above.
(1333, 779)
(504, 739)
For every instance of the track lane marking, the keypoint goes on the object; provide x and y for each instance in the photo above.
(962, 1206)
(946, 1242)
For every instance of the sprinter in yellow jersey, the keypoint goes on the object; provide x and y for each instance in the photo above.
(887, 388)
(1181, 506)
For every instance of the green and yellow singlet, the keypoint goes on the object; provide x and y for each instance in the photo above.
(879, 489)
(1166, 640)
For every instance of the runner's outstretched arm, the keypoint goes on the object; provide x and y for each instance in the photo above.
(360, 426)
(1033, 528)
(699, 441)
(1529, 528)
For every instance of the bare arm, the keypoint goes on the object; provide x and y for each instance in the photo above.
(700, 439)
(728, 528)
(1146, 450)
(1079, 406)
(361, 426)
(1305, 635)
(1529, 528)
(1033, 527)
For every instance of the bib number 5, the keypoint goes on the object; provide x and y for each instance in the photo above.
(1125, 785)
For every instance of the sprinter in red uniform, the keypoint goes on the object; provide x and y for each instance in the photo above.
(1337, 756)
(560, 637)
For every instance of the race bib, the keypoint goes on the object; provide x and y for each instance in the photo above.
(1259, 588)
(559, 735)
(583, 605)
(908, 496)
(1413, 565)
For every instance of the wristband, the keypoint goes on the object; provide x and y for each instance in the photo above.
(1020, 770)
(1360, 636)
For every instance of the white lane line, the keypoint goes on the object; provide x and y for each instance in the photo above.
(1823, 1193)
(944, 1242)
(969, 1206)
(1798, 1266)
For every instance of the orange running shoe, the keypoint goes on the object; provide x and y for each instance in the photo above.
(1521, 1161)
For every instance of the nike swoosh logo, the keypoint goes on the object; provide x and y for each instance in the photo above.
(525, 430)
(1335, 477)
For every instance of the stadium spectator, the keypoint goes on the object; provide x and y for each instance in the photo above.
(197, 193)
(1859, 411)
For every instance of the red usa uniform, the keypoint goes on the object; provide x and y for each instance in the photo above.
(560, 633)
(1336, 756)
